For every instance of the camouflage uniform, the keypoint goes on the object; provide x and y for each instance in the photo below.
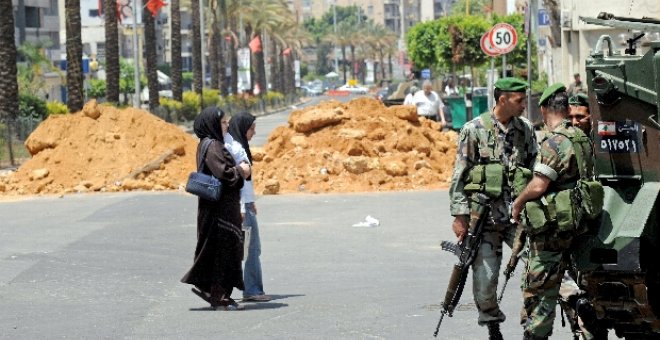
(515, 145)
(549, 250)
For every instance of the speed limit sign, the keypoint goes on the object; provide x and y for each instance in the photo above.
(503, 38)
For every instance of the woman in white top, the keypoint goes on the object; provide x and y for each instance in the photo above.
(242, 127)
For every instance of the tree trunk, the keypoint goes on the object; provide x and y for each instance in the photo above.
(275, 74)
(260, 70)
(175, 36)
(151, 65)
(74, 72)
(233, 58)
(111, 52)
(353, 65)
(223, 47)
(389, 64)
(8, 72)
(214, 51)
(196, 48)
(343, 62)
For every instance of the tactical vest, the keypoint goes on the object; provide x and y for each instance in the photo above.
(490, 175)
(567, 205)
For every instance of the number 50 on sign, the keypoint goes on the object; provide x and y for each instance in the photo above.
(503, 38)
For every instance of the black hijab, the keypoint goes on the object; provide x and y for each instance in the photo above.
(207, 124)
(238, 127)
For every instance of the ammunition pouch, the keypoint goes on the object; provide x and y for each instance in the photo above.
(485, 178)
(555, 210)
(590, 195)
(520, 177)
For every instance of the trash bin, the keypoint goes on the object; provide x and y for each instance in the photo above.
(457, 106)
(479, 105)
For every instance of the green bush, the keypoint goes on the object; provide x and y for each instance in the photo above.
(173, 109)
(56, 108)
(31, 106)
(211, 97)
(96, 88)
(190, 106)
(273, 98)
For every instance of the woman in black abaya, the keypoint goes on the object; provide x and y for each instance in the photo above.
(216, 270)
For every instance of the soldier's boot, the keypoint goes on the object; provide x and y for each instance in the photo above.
(494, 331)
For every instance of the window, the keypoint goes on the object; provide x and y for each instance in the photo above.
(93, 13)
(32, 17)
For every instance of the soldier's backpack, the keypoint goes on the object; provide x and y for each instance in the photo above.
(559, 208)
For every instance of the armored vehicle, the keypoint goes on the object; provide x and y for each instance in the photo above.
(618, 260)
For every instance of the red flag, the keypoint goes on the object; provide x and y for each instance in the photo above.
(286, 51)
(255, 45)
(154, 6)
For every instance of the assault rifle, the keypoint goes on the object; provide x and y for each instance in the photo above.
(466, 252)
(516, 253)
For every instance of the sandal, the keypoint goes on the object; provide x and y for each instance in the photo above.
(230, 305)
(205, 296)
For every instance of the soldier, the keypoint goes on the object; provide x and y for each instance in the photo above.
(502, 146)
(579, 114)
(556, 171)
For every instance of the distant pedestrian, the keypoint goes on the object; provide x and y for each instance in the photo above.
(451, 89)
(216, 269)
(577, 86)
(429, 104)
(409, 97)
(242, 128)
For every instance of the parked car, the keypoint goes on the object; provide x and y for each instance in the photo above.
(354, 89)
(312, 90)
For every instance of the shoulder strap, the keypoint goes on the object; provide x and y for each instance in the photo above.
(578, 139)
(487, 121)
(206, 142)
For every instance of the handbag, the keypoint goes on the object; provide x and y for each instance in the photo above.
(203, 185)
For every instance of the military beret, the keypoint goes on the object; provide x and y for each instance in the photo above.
(579, 99)
(550, 90)
(511, 84)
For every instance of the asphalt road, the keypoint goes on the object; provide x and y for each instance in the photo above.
(107, 266)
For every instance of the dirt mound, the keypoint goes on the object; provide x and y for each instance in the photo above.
(332, 147)
(103, 148)
(355, 147)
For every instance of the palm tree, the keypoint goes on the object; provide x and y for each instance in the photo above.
(8, 81)
(151, 57)
(342, 39)
(381, 41)
(74, 74)
(111, 52)
(263, 16)
(196, 48)
(175, 36)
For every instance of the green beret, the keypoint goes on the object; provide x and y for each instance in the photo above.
(511, 84)
(579, 99)
(549, 91)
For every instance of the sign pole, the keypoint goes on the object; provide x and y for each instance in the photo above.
(491, 84)
(503, 65)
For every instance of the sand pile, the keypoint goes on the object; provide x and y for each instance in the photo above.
(355, 147)
(103, 149)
